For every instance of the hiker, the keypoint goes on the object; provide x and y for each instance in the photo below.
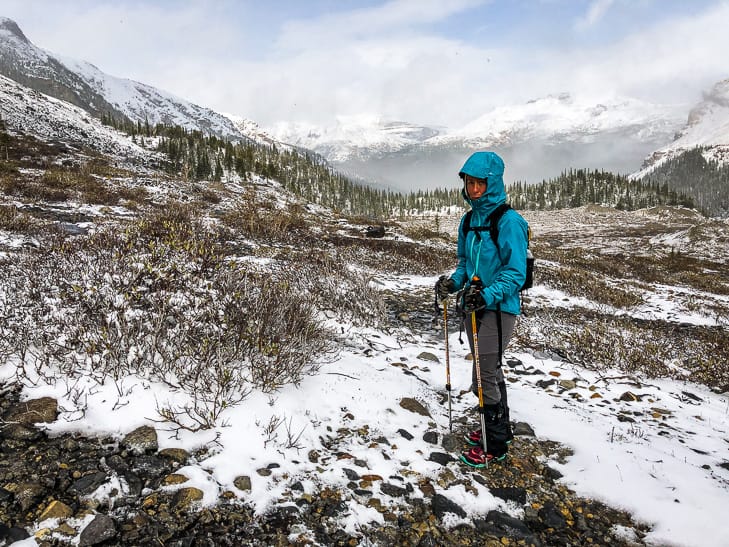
(490, 277)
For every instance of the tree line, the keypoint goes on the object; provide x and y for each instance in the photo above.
(692, 173)
(688, 180)
(197, 156)
(578, 187)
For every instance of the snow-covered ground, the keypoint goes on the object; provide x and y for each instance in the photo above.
(667, 465)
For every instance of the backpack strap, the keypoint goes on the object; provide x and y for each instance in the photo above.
(493, 223)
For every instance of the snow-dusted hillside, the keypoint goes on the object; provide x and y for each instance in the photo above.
(707, 126)
(47, 118)
(84, 85)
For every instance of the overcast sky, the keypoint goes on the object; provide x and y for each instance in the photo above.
(424, 61)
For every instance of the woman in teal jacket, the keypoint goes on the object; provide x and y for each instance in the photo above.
(491, 275)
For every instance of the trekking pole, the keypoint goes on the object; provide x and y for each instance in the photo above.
(481, 410)
(448, 364)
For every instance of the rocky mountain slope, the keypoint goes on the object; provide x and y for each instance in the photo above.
(707, 126)
(84, 85)
(53, 120)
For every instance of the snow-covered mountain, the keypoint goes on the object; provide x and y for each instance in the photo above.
(707, 126)
(359, 137)
(50, 119)
(538, 139)
(84, 85)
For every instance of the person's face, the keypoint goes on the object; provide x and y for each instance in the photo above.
(475, 188)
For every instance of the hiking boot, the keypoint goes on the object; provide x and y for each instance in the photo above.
(476, 457)
(474, 437)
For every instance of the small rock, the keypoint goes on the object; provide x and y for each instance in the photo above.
(405, 434)
(393, 491)
(452, 442)
(141, 440)
(523, 429)
(371, 478)
(351, 474)
(692, 396)
(442, 505)
(99, 530)
(510, 493)
(185, 497)
(174, 478)
(430, 437)
(629, 396)
(243, 482)
(28, 494)
(552, 473)
(149, 466)
(43, 410)
(56, 510)
(427, 356)
(551, 517)
(441, 458)
(498, 523)
(175, 454)
(413, 405)
(12, 534)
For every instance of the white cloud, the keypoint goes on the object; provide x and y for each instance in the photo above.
(390, 18)
(392, 60)
(596, 11)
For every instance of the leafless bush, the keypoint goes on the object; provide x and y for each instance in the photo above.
(589, 284)
(332, 284)
(423, 233)
(13, 220)
(389, 256)
(257, 218)
(599, 341)
(158, 300)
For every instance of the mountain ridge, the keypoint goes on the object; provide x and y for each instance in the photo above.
(85, 85)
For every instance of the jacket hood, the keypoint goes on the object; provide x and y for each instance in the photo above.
(489, 166)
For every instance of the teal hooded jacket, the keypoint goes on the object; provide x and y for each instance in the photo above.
(501, 267)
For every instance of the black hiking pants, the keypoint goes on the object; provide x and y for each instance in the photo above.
(496, 408)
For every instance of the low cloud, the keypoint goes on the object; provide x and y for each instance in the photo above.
(392, 60)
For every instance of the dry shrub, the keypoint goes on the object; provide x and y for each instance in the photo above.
(8, 169)
(423, 233)
(394, 256)
(261, 219)
(588, 285)
(13, 220)
(656, 349)
(159, 301)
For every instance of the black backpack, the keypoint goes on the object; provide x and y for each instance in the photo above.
(493, 229)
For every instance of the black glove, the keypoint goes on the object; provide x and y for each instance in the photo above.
(444, 286)
(472, 298)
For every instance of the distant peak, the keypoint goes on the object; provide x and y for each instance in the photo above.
(12, 27)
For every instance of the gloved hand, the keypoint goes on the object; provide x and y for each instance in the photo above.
(444, 286)
(472, 298)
